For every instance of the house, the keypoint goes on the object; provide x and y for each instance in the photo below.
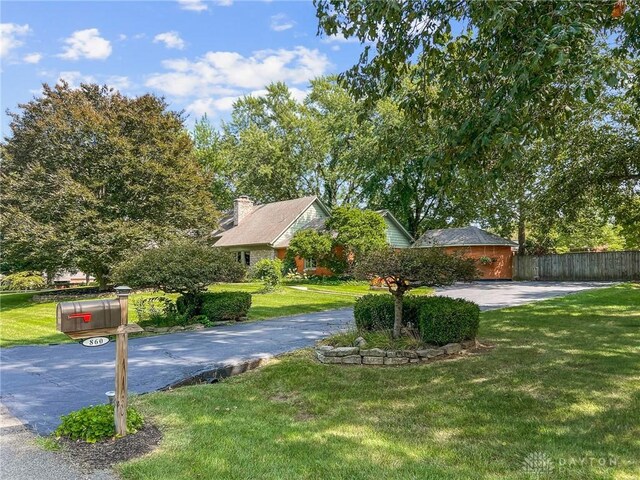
(255, 232)
(494, 253)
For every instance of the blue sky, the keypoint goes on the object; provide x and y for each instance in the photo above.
(200, 55)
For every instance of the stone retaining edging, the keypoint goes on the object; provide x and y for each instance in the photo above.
(376, 356)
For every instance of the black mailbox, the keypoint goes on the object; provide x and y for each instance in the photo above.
(88, 315)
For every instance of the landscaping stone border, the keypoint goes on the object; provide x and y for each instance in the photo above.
(376, 356)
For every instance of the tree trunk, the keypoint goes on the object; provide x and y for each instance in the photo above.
(521, 235)
(397, 321)
(102, 281)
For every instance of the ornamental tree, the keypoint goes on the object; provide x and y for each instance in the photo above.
(404, 269)
(179, 266)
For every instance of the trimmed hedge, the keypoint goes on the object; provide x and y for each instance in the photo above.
(377, 312)
(222, 306)
(441, 320)
(445, 320)
(216, 306)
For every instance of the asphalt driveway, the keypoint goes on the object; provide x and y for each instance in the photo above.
(38, 384)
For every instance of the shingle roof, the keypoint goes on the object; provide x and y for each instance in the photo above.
(265, 223)
(459, 237)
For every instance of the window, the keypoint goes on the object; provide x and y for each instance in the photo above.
(244, 257)
(310, 264)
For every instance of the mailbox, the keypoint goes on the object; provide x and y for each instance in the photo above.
(87, 315)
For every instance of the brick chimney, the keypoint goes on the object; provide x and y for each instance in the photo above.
(242, 206)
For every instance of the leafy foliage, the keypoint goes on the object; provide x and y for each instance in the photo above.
(181, 265)
(377, 312)
(89, 174)
(404, 269)
(356, 230)
(93, 424)
(23, 281)
(443, 320)
(209, 307)
(158, 311)
(310, 244)
(268, 271)
(222, 306)
(508, 71)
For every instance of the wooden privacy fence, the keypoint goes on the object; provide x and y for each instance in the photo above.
(578, 266)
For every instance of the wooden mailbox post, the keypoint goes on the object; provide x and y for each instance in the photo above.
(94, 318)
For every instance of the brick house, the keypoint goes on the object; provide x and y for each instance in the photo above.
(497, 252)
(255, 232)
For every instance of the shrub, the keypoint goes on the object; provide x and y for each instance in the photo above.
(23, 281)
(158, 310)
(377, 311)
(182, 266)
(222, 306)
(268, 271)
(443, 320)
(93, 424)
(190, 305)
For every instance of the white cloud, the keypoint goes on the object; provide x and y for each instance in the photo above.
(280, 22)
(193, 5)
(118, 82)
(75, 78)
(217, 72)
(223, 3)
(339, 38)
(170, 39)
(86, 44)
(122, 37)
(10, 34)
(34, 57)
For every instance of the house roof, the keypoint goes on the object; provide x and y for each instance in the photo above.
(394, 220)
(265, 224)
(461, 237)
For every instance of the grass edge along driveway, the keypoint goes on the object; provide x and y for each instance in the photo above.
(563, 382)
(23, 322)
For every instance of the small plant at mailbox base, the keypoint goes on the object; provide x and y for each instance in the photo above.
(96, 423)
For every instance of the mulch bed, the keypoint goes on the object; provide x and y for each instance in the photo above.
(105, 454)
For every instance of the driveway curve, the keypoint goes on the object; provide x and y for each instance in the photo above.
(38, 384)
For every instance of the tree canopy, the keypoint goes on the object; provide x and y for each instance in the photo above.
(179, 266)
(89, 174)
(404, 269)
(508, 71)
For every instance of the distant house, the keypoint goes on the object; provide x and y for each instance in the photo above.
(255, 232)
(494, 253)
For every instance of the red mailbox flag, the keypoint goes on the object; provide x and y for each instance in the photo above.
(86, 317)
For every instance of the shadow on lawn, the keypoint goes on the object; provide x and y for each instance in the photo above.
(562, 381)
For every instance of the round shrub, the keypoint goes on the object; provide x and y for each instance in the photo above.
(269, 271)
(443, 320)
(93, 424)
(23, 281)
(377, 311)
(221, 306)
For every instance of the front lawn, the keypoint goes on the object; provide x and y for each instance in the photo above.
(23, 322)
(562, 383)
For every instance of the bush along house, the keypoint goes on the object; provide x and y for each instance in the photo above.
(255, 232)
(493, 254)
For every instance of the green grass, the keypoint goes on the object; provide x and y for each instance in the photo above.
(564, 380)
(23, 322)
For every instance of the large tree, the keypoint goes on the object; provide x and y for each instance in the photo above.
(508, 71)
(276, 147)
(88, 174)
